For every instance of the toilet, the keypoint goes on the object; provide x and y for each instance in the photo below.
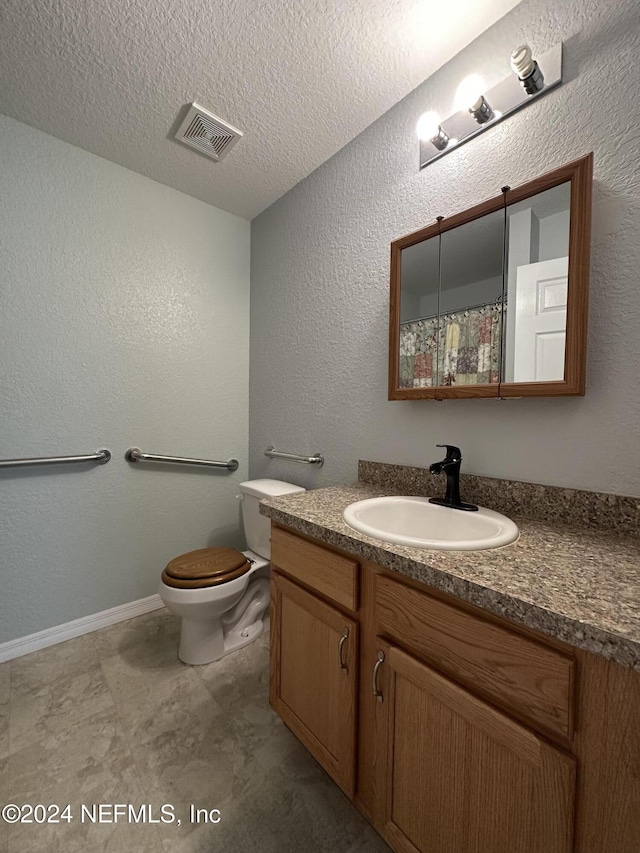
(220, 593)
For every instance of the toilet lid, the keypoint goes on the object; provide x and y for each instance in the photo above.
(205, 567)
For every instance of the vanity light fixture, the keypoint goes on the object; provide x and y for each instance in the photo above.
(478, 107)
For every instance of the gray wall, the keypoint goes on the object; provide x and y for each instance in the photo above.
(553, 237)
(320, 271)
(124, 321)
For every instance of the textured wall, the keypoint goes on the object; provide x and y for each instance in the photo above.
(124, 321)
(320, 270)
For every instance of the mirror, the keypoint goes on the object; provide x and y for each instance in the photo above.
(537, 267)
(493, 301)
(471, 302)
(419, 316)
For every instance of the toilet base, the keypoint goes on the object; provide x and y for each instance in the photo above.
(199, 645)
(235, 640)
(206, 640)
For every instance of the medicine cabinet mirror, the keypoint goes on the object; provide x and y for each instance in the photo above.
(492, 302)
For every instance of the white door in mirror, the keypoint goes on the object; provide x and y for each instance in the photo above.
(541, 321)
(415, 522)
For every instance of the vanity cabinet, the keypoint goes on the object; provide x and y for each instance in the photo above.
(452, 730)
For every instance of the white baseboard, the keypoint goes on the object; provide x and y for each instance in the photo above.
(33, 642)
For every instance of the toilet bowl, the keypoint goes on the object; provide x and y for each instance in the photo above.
(220, 594)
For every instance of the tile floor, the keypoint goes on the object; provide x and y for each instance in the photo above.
(114, 717)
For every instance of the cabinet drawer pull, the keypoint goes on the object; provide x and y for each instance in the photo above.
(343, 640)
(377, 693)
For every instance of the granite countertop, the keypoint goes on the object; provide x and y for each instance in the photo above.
(577, 584)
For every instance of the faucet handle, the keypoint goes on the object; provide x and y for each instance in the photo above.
(454, 454)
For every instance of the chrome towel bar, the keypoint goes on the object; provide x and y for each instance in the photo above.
(316, 459)
(100, 457)
(134, 454)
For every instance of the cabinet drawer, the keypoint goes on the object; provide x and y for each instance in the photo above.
(532, 680)
(330, 574)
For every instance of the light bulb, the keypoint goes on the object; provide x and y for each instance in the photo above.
(429, 130)
(428, 126)
(522, 61)
(527, 69)
(469, 96)
(468, 92)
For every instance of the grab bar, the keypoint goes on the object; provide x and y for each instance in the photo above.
(316, 459)
(134, 454)
(101, 457)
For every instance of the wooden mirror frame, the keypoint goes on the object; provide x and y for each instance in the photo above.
(580, 174)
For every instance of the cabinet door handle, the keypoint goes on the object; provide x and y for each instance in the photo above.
(343, 640)
(377, 693)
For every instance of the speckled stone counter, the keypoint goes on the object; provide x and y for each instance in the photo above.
(576, 583)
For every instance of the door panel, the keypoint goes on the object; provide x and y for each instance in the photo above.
(464, 778)
(314, 678)
(540, 321)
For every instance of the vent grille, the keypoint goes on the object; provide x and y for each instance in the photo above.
(207, 133)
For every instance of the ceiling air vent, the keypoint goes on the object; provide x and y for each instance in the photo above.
(207, 133)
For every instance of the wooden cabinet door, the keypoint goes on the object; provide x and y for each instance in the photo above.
(314, 653)
(461, 777)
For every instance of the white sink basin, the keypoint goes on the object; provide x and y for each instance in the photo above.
(416, 522)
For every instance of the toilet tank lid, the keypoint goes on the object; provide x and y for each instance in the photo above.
(269, 488)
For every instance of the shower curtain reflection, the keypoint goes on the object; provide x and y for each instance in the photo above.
(463, 349)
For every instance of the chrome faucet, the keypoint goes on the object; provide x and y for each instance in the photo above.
(451, 467)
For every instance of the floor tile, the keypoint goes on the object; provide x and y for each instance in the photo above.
(141, 706)
(142, 666)
(47, 666)
(240, 685)
(57, 706)
(87, 831)
(261, 731)
(86, 764)
(370, 842)
(81, 838)
(170, 723)
(92, 754)
(143, 630)
(238, 676)
(184, 744)
(277, 815)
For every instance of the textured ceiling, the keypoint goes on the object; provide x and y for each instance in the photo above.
(301, 78)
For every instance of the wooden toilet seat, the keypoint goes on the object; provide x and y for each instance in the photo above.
(205, 567)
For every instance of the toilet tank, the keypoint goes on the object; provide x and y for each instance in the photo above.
(257, 528)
